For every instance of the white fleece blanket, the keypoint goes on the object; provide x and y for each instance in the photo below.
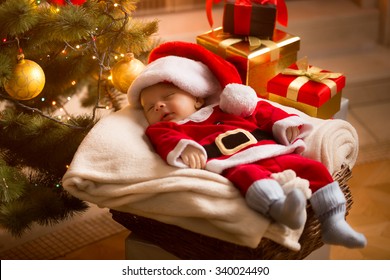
(115, 167)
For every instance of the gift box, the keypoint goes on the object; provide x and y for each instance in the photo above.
(251, 18)
(312, 90)
(256, 60)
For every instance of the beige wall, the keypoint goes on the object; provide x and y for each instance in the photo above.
(384, 6)
(176, 5)
(366, 3)
(384, 26)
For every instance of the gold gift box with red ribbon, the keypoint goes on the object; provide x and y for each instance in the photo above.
(310, 89)
(256, 60)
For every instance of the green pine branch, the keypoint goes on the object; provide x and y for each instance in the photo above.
(63, 43)
(37, 142)
(32, 163)
(76, 46)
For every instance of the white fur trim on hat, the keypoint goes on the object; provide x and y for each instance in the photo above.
(238, 99)
(187, 74)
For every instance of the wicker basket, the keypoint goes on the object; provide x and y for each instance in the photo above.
(186, 244)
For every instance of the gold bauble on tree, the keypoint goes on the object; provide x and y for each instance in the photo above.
(27, 81)
(125, 71)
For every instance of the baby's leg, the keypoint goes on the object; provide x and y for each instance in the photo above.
(328, 201)
(265, 195)
(329, 205)
(313, 171)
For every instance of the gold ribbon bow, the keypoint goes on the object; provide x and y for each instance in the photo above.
(313, 73)
(307, 73)
(254, 43)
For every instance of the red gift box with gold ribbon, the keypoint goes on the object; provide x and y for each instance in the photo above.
(314, 91)
(251, 17)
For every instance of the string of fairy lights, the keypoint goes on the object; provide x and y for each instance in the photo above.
(58, 107)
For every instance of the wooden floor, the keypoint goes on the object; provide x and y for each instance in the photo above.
(370, 214)
(111, 248)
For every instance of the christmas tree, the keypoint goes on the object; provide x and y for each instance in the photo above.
(49, 52)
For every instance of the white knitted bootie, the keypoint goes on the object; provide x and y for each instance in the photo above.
(267, 197)
(329, 206)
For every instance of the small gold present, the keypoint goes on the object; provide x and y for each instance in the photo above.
(256, 60)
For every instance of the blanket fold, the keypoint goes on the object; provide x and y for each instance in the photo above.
(334, 143)
(115, 167)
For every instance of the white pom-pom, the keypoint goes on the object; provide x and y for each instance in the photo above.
(238, 99)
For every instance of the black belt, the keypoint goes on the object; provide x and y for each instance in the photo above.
(230, 143)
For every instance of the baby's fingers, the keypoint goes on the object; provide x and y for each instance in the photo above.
(194, 161)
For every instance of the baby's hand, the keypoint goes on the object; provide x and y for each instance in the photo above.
(292, 133)
(193, 157)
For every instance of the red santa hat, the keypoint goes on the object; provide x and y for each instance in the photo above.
(190, 67)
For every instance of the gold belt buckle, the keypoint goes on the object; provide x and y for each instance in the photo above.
(229, 151)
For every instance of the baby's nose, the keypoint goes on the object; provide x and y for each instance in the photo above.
(159, 105)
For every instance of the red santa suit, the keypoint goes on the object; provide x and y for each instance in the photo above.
(244, 139)
(243, 149)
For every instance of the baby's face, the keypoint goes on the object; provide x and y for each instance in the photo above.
(166, 102)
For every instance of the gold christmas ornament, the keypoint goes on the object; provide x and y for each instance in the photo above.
(125, 71)
(28, 80)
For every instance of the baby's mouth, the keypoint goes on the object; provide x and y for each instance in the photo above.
(167, 117)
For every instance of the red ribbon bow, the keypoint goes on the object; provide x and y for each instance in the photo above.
(282, 16)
